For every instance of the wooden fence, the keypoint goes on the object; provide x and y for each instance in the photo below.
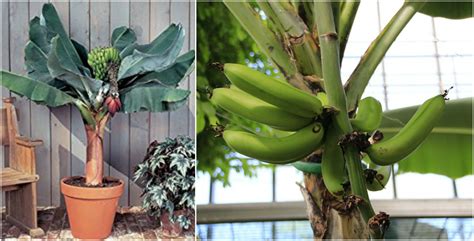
(91, 23)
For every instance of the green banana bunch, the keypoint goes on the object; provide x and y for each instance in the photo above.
(245, 105)
(99, 59)
(376, 176)
(368, 116)
(273, 91)
(387, 152)
(276, 150)
(333, 164)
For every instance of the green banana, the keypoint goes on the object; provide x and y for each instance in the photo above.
(323, 98)
(276, 150)
(333, 163)
(387, 152)
(377, 176)
(368, 116)
(249, 107)
(99, 58)
(273, 91)
(307, 167)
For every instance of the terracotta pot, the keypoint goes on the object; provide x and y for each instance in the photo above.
(173, 230)
(91, 211)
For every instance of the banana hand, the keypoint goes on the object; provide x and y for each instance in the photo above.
(247, 106)
(273, 91)
(390, 151)
(276, 150)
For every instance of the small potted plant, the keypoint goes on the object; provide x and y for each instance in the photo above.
(167, 177)
(123, 77)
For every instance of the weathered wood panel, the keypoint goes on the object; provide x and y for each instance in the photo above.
(91, 23)
(41, 130)
(139, 122)
(120, 124)
(60, 126)
(5, 64)
(179, 119)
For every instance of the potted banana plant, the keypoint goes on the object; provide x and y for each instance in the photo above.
(123, 77)
(333, 133)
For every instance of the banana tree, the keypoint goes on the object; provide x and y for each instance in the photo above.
(306, 41)
(123, 77)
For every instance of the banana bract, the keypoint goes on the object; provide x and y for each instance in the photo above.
(276, 150)
(410, 136)
(99, 58)
(368, 116)
(273, 91)
(247, 106)
(333, 164)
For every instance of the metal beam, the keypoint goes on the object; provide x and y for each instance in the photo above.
(223, 213)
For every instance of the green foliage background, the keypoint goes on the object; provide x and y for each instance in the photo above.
(220, 38)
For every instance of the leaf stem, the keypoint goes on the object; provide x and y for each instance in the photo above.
(336, 98)
(359, 79)
(267, 41)
(346, 19)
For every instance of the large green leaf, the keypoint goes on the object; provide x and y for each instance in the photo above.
(62, 67)
(40, 35)
(448, 9)
(36, 62)
(447, 150)
(123, 37)
(51, 20)
(36, 91)
(156, 56)
(171, 76)
(153, 97)
(178, 71)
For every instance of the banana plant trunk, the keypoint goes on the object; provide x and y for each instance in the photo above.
(95, 158)
(326, 222)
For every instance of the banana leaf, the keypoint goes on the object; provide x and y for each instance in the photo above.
(40, 35)
(50, 19)
(123, 37)
(448, 9)
(62, 67)
(171, 76)
(156, 56)
(447, 150)
(36, 91)
(36, 62)
(153, 97)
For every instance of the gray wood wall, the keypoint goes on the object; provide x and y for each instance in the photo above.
(91, 23)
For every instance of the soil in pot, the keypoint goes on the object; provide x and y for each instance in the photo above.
(91, 209)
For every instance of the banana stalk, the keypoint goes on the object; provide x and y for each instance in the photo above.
(331, 71)
(86, 114)
(305, 50)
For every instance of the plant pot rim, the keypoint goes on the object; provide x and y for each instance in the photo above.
(91, 192)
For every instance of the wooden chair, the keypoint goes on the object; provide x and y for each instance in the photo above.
(19, 179)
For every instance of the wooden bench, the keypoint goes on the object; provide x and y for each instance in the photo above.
(19, 179)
